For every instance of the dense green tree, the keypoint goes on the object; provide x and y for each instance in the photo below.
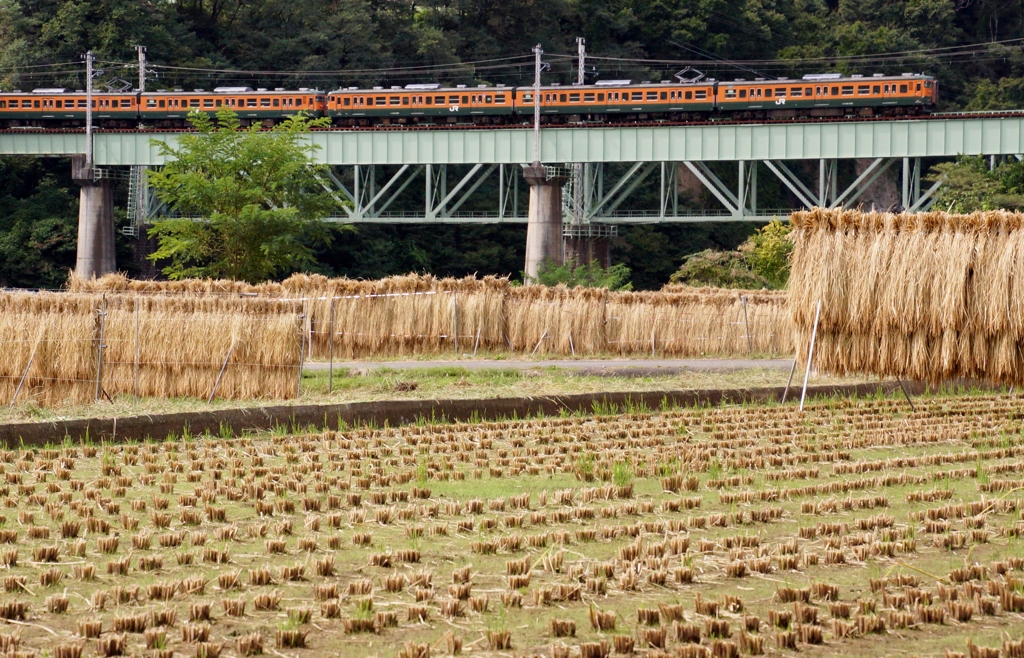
(39, 228)
(258, 194)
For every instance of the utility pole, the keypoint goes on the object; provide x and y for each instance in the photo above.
(581, 51)
(142, 68)
(577, 174)
(89, 59)
(537, 52)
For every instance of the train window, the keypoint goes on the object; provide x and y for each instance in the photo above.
(3, 105)
(348, 101)
(863, 90)
(298, 102)
(796, 91)
(150, 102)
(807, 91)
(37, 104)
(561, 98)
(743, 93)
(768, 93)
(393, 100)
(781, 91)
(689, 94)
(465, 100)
(369, 100)
(489, 98)
(877, 89)
(757, 91)
(600, 98)
(126, 103)
(81, 104)
(928, 84)
(250, 102)
(847, 90)
(438, 100)
(887, 89)
(652, 95)
(574, 98)
(701, 94)
(277, 102)
(589, 98)
(903, 89)
(60, 103)
(207, 102)
(218, 102)
(664, 95)
(638, 96)
(499, 98)
(835, 91)
(818, 90)
(405, 100)
(919, 86)
(453, 100)
(430, 100)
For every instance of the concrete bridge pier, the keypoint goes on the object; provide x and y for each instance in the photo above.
(544, 227)
(96, 255)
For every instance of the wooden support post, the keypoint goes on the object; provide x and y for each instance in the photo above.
(330, 348)
(476, 345)
(810, 355)
(99, 352)
(223, 367)
(746, 322)
(136, 350)
(789, 382)
(905, 394)
(455, 320)
(302, 348)
(25, 375)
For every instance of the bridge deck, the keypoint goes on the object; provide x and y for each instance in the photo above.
(931, 137)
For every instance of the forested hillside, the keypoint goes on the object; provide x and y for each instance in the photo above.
(972, 46)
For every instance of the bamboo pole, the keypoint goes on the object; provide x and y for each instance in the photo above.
(302, 348)
(455, 320)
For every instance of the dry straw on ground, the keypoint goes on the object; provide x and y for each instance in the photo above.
(927, 296)
(176, 345)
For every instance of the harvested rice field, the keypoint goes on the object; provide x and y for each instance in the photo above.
(858, 527)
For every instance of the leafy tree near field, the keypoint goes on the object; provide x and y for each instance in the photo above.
(719, 269)
(38, 231)
(969, 186)
(592, 275)
(768, 251)
(258, 193)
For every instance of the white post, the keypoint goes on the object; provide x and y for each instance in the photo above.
(810, 355)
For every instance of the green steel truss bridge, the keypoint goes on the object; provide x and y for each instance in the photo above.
(418, 175)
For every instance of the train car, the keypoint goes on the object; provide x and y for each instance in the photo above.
(419, 103)
(827, 95)
(619, 100)
(60, 108)
(171, 108)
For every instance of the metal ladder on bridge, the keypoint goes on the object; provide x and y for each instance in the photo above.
(137, 202)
